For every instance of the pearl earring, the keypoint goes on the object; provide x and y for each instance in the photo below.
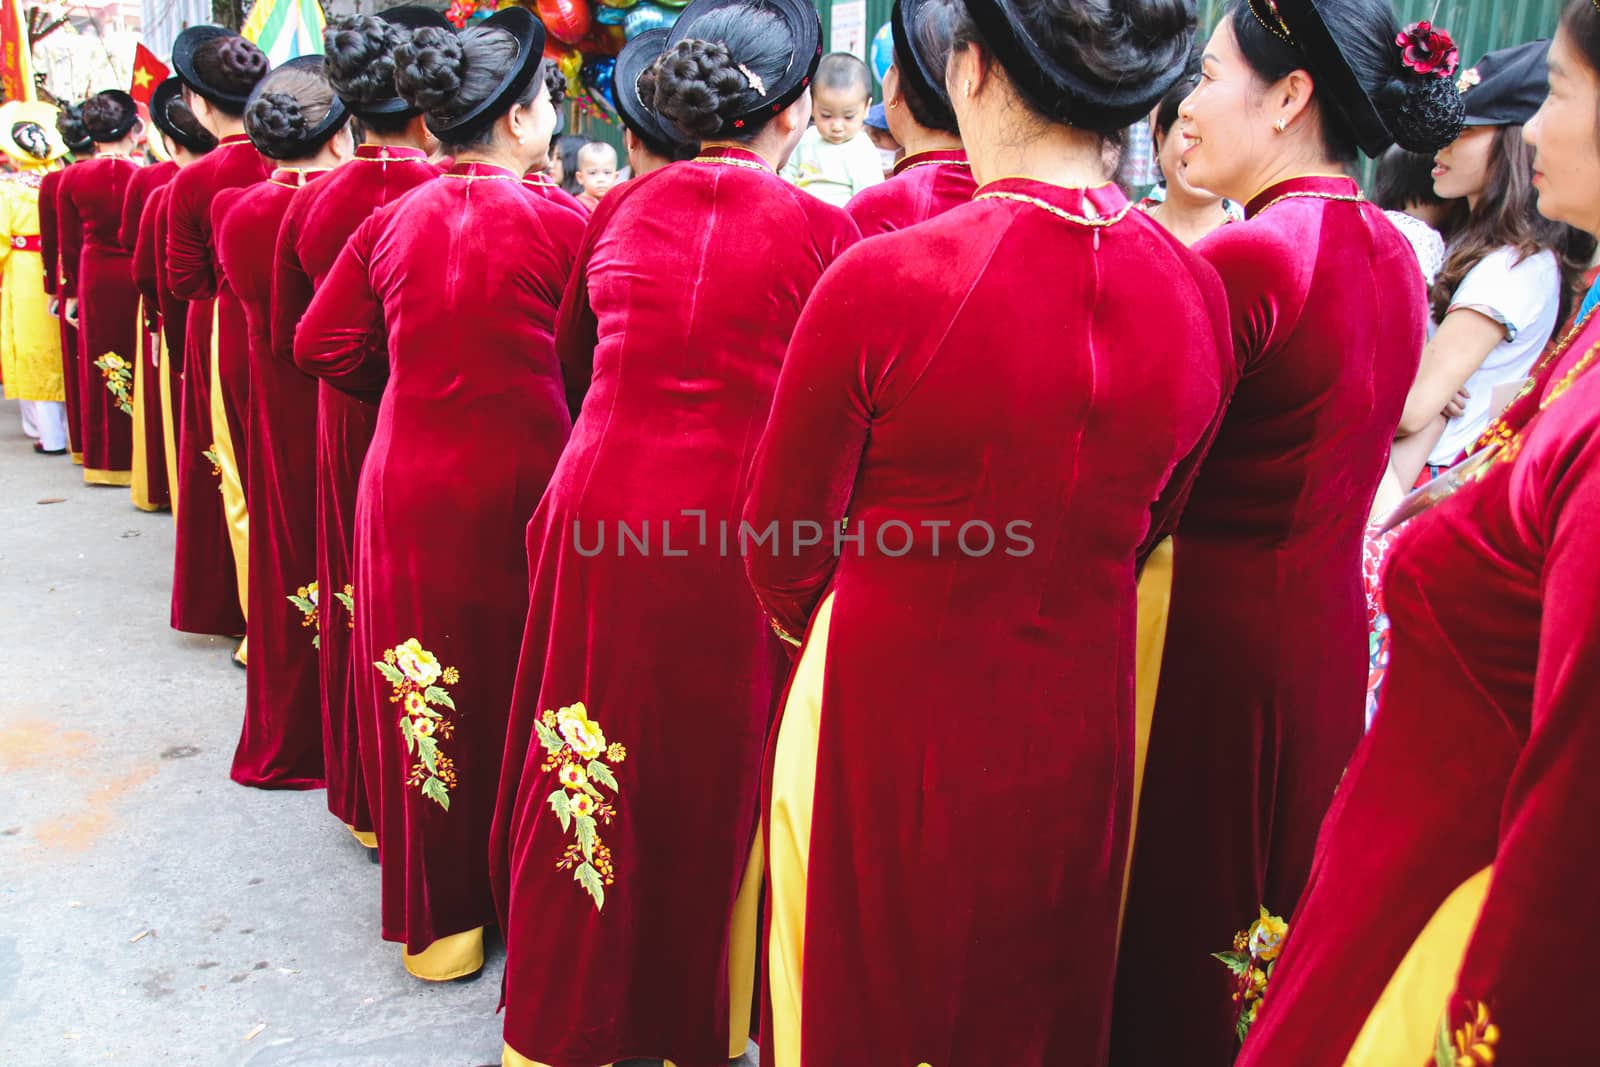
(1281, 125)
(966, 90)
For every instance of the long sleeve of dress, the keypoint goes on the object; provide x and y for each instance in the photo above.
(342, 338)
(49, 246)
(70, 225)
(807, 462)
(190, 272)
(145, 275)
(133, 202)
(1529, 957)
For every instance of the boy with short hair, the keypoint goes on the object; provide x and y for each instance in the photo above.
(597, 172)
(836, 159)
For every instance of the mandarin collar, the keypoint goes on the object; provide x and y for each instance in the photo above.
(480, 170)
(955, 156)
(1311, 185)
(1102, 201)
(734, 154)
(295, 177)
(390, 152)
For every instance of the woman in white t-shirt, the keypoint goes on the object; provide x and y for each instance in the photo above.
(1508, 280)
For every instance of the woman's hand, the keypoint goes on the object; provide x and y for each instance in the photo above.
(1457, 406)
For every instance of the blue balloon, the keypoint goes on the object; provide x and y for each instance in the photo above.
(882, 52)
(606, 15)
(645, 16)
(597, 74)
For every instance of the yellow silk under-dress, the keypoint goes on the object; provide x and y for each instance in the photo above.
(1155, 603)
(30, 336)
(235, 512)
(169, 419)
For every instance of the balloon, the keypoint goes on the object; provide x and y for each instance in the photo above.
(620, 4)
(568, 20)
(647, 16)
(676, 5)
(571, 66)
(598, 74)
(605, 15)
(882, 52)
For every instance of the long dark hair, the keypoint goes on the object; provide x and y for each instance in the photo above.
(1506, 216)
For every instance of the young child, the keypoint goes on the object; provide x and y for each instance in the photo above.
(836, 159)
(597, 172)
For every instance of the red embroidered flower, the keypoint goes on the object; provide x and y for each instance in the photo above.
(1428, 51)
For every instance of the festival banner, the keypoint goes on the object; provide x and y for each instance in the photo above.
(148, 72)
(16, 52)
(284, 29)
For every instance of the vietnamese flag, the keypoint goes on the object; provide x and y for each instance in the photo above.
(148, 72)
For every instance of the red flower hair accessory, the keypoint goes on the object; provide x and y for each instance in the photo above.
(1429, 51)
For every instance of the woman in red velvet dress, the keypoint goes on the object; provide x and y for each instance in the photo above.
(295, 119)
(69, 123)
(186, 141)
(320, 219)
(1450, 919)
(218, 69)
(450, 297)
(626, 841)
(97, 273)
(150, 490)
(934, 175)
(982, 471)
(650, 141)
(1260, 702)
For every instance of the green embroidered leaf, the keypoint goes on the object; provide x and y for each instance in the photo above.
(434, 695)
(347, 600)
(409, 734)
(599, 772)
(1237, 962)
(549, 738)
(588, 787)
(435, 791)
(1444, 1049)
(428, 749)
(589, 878)
(431, 714)
(316, 640)
(390, 672)
(562, 807)
(586, 834)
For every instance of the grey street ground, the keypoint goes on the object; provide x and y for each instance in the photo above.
(151, 911)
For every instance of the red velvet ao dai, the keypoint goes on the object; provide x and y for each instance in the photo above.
(140, 208)
(923, 186)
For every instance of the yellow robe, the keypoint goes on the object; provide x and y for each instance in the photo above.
(30, 337)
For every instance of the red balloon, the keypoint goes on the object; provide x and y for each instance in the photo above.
(568, 20)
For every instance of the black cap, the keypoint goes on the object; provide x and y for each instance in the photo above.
(317, 135)
(926, 82)
(529, 34)
(130, 116)
(183, 50)
(162, 99)
(638, 56)
(1508, 86)
(805, 29)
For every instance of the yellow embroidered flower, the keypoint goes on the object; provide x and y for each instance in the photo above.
(415, 705)
(422, 727)
(1475, 1042)
(1266, 936)
(616, 753)
(418, 664)
(582, 804)
(572, 776)
(581, 732)
(113, 361)
(451, 676)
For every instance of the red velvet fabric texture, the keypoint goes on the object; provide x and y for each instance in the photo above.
(450, 295)
(963, 887)
(320, 219)
(50, 253)
(1260, 703)
(98, 270)
(140, 209)
(281, 743)
(671, 655)
(923, 185)
(1483, 751)
(555, 194)
(174, 312)
(205, 594)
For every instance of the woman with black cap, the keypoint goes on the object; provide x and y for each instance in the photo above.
(651, 143)
(295, 119)
(186, 141)
(447, 303)
(642, 675)
(69, 124)
(949, 783)
(97, 285)
(1260, 701)
(933, 175)
(1450, 920)
(218, 69)
(538, 179)
(320, 218)
(1511, 276)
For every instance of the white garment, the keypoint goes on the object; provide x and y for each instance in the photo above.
(50, 416)
(1425, 242)
(30, 425)
(834, 172)
(1525, 298)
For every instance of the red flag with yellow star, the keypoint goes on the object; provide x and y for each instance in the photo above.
(148, 72)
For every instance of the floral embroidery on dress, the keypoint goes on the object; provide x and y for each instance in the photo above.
(577, 751)
(305, 598)
(118, 375)
(414, 672)
(348, 599)
(215, 460)
(1472, 1044)
(1252, 958)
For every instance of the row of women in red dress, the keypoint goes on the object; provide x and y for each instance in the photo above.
(521, 512)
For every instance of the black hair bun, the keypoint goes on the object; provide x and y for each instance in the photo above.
(1424, 114)
(276, 125)
(239, 65)
(699, 87)
(555, 83)
(104, 115)
(69, 123)
(1111, 44)
(429, 68)
(359, 52)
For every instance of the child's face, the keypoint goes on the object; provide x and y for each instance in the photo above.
(839, 113)
(597, 176)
